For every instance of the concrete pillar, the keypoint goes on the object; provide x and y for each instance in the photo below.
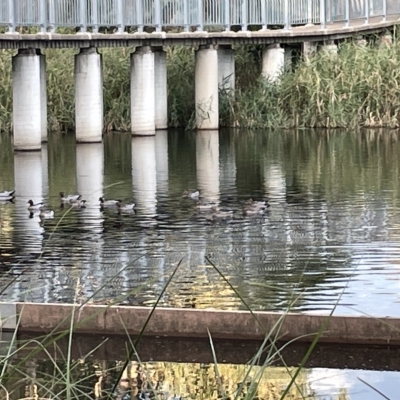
(43, 96)
(226, 67)
(330, 47)
(273, 62)
(89, 179)
(143, 92)
(360, 41)
(385, 40)
(308, 49)
(207, 165)
(27, 74)
(206, 88)
(144, 175)
(161, 88)
(88, 96)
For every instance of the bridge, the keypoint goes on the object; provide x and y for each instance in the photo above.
(149, 25)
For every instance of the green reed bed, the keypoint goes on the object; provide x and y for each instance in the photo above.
(358, 88)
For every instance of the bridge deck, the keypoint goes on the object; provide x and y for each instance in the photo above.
(298, 34)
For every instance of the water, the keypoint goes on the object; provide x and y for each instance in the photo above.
(331, 235)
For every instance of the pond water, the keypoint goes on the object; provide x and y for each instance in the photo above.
(331, 236)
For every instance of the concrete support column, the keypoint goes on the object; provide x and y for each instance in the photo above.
(161, 88)
(206, 88)
(88, 96)
(385, 40)
(43, 95)
(29, 110)
(308, 49)
(360, 41)
(330, 47)
(273, 62)
(226, 68)
(143, 91)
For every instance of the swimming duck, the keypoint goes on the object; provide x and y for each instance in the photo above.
(191, 195)
(125, 207)
(46, 214)
(205, 206)
(69, 198)
(220, 214)
(78, 204)
(108, 203)
(7, 195)
(34, 206)
(252, 207)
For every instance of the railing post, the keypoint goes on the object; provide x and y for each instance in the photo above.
(384, 11)
(185, 16)
(139, 13)
(244, 15)
(82, 16)
(157, 11)
(347, 13)
(227, 21)
(322, 14)
(264, 15)
(286, 16)
(309, 12)
(52, 22)
(120, 16)
(43, 16)
(11, 17)
(200, 25)
(94, 18)
(366, 6)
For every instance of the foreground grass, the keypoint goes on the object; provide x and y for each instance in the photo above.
(358, 88)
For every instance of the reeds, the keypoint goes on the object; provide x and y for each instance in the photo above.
(357, 88)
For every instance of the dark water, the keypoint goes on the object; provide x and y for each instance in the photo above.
(332, 234)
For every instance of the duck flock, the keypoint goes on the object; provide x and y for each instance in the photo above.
(213, 211)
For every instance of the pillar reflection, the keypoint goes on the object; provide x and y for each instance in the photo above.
(207, 165)
(89, 174)
(162, 162)
(144, 174)
(28, 175)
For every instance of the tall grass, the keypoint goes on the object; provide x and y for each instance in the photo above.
(359, 87)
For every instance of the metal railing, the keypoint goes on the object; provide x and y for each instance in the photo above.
(49, 15)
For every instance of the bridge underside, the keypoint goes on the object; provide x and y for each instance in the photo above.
(313, 33)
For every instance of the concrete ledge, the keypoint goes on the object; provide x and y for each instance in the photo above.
(189, 323)
(296, 34)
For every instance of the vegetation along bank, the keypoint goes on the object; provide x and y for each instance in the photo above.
(357, 88)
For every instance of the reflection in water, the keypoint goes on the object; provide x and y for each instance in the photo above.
(333, 224)
(207, 165)
(171, 381)
(144, 172)
(28, 229)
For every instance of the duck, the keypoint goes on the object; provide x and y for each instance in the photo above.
(125, 207)
(205, 206)
(191, 195)
(108, 203)
(69, 198)
(7, 195)
(34, 206)
(78, 204)
(46, 214)
(220, 214)
(253, 207)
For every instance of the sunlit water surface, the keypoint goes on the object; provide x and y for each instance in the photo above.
(331, 236)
